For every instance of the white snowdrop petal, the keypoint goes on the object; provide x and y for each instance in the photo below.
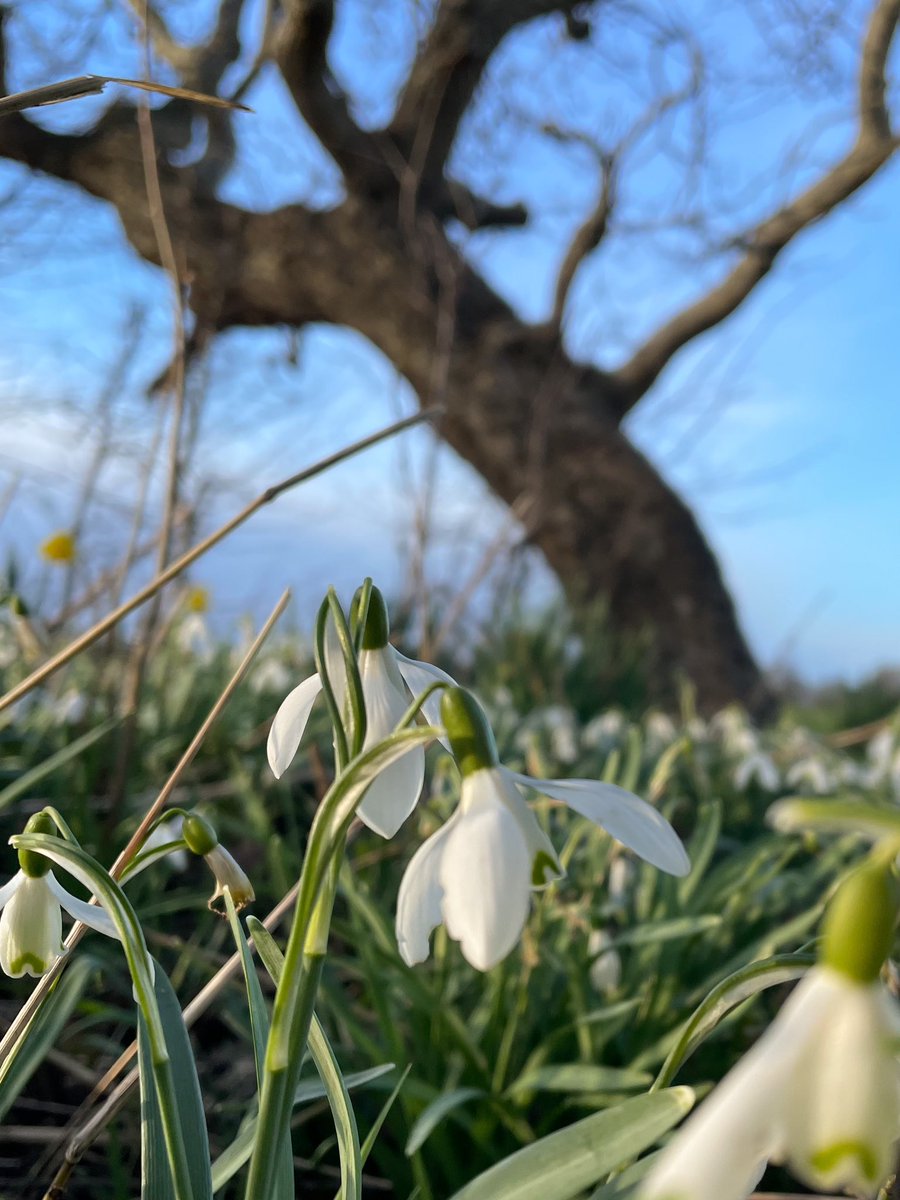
(30, 929)
(485, 872)
(9, 889)
(849, 1089)
(418, 677)
(393, 794)
(545, 866)
(89, 914)
(721, 1152)
(627, 817)
(419, 899)
(290, 723)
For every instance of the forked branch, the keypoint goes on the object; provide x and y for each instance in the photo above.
(874, 145)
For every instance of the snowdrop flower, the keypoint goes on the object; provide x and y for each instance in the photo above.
(605, 731)
(193, 637)
(883, 753)
(389, 681)
(71, 707)
(161, 835)
(820, 1090)
(605, 972)
(31, 920)
(758, 767)
(661, 731)
(201, 839)
(476, 874)
(812, 773)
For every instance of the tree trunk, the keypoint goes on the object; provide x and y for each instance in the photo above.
(542, 430)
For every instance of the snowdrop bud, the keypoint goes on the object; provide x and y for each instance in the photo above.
(201, 838)
(35, 865)
(377, 630)
(471, 737)
(199, 835)
(859, 923)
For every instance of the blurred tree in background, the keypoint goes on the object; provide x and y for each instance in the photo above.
(436, 117)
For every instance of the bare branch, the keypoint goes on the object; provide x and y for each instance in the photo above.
(201, 67)
(301, 53)
(446, 73)
(587, 238)
(593, 229)
(872, 148)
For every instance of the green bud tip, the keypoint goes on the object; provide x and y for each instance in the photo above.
(859, 922)
(378, 627)
(35, 865)
(199, 836)
(471, 737)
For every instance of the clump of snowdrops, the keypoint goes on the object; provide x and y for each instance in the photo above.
(485, 878)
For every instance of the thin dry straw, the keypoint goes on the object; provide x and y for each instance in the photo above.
(34, 1001)
(103, 626)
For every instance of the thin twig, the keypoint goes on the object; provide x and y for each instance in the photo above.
(34, 1001)
(272, 493)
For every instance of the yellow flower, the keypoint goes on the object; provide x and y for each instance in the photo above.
(197, 599)
(59, 547)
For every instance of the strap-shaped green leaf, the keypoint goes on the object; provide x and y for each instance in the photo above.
(563, 1164)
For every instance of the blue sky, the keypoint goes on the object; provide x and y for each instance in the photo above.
(782, 428)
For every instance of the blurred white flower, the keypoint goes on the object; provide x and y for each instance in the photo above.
(661, 731)
(757, 767)
(605, 972)
(820, 1091)
(883, 754)
(192, 636)
(71, 707)
(272, 675)
(389, 682)
(604, 731)
(619, 880)
(161, 835)
(31, 922)
(477, 872)
(812, 774)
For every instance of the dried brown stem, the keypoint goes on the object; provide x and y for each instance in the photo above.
(77, 932)
(180, 564)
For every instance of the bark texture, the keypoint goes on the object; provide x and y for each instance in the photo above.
(544, 431)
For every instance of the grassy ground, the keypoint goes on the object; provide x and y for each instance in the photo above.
(582, 1014)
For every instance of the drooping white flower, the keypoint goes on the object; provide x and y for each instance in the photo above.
(31, 917)
(476, 874)
(812, 773)
(820, 1091)
(605, 971)
(389, 682)
(202, 839)
(757, 766)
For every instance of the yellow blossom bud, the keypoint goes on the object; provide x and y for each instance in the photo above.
(59, 548)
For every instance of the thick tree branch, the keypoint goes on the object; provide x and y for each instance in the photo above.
(301, 53)
(872, 148)
(445, 75)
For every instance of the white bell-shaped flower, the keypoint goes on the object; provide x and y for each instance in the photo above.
(389, 682)
(202, 839)
(477, 872)
(820, 1091)
(31, 917)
